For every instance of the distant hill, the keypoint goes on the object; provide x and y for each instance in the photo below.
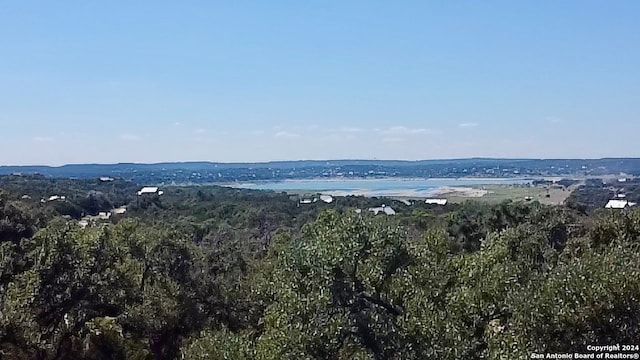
(211, 172)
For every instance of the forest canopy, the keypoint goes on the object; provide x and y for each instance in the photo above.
(215, 273)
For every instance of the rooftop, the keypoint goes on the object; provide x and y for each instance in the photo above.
(436, 201)
(148, 190)
(326, 198)
(618, 204)
(383, 209)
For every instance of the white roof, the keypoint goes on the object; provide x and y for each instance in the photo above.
(148, 190)
(622, 196)
(120, 210)
(436, 201)
(383, 209)
(617, 204)
(326, 198)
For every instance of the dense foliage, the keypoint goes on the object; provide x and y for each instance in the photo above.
(216, 273)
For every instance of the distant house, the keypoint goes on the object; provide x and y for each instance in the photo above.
(622, 180)
(326, 198)
(306, 201)
(149, 190)
(104, 215)
(618, 204)
(106, 179)
(621, 196)
(383, 210)
(56, 197)
(119, 211)
(436, 201)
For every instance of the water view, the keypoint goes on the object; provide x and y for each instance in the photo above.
(381, 187)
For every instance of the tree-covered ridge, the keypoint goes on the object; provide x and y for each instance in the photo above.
(210, 172)
(216, 273)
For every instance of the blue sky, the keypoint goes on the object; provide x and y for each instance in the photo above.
(150, 81)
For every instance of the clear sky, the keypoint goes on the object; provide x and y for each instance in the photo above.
(149, 81)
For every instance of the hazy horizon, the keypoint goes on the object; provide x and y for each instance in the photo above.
(251, 81)
(310, 160)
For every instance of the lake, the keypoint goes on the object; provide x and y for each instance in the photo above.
(380, 187)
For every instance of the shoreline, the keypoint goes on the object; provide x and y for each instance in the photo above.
(437, 192)
(489, 180)
(482, 181)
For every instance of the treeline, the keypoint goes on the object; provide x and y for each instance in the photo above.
(216, 273)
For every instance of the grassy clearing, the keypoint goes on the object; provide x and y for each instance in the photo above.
(498, 193)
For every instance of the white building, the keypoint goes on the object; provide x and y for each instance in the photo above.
(436, 201)
(618, 204)
(326, 198)
(149, 190)
(121, 210)
(383, 209)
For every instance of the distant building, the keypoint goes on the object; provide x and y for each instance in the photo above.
(436, 201)
(618, 204)
(119, 211)
(306, 201)
(56, 197)
(326, 198)
(149, 190)
(383, 209)
(106, 179)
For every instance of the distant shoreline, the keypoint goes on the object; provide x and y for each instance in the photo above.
(388, 178)
(419, 188)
